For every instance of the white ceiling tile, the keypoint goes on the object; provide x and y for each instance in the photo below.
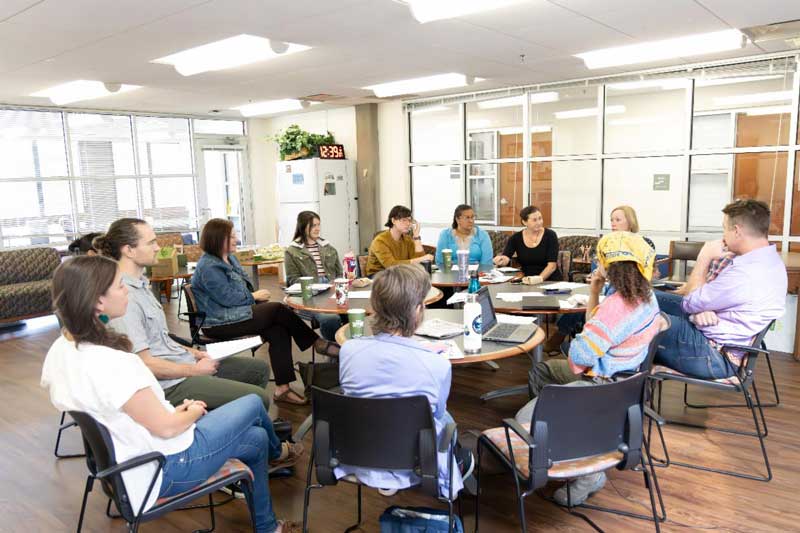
(662, 20)
(744, 13)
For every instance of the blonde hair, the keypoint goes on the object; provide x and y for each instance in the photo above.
(630, 216)
(396, 294)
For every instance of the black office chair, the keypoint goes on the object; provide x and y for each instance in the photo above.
(386, 433)
(741, 382)
(103, 466)
(576, 431)
(62, 426)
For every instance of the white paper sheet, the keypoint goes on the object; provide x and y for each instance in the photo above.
(221, 350)
(359, 295)
(315, 287)
(508, 269)
(447, 348)
(516, 296)
(558, 285)
(457, 298)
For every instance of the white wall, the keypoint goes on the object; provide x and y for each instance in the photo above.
(264, 155)
(395, 185)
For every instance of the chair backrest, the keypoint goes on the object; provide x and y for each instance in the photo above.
(100, 456)
(362, 265)
(564, 263)
(680, 252)
(577, 244)
(195, 320)
(647, 365)
(573, 422)
(380, 433)
(499, 240)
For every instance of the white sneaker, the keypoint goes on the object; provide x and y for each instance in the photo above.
(580, 489)
(387, 492)
(233, 490)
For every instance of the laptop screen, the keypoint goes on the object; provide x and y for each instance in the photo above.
(488, 318)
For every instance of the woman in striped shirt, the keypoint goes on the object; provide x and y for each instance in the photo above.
(310, 255)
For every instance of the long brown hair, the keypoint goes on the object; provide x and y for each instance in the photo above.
(625, 277)
(121, 233)
(214, 236)
(77, 285)
(304, 221)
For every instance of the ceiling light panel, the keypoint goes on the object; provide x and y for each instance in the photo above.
(681, 47)
(75, 91)
(271, 107)
(421, 85)
(430, 10)
(228, 53)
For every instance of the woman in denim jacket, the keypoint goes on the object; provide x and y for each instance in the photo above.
(233, 309)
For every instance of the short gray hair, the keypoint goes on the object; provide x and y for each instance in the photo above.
(396, 293)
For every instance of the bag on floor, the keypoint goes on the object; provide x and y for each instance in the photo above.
(322, 375)
(397, 519)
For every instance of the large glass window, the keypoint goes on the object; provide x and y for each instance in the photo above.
(437, 190)
(646, 115)
(567, 119)
(566, 192)
(436, 134)
(795, 228)
(164, 146)
(223, 127)
(710, 188)
(494, 128)
(494, 190)
(651, 185)
(31, 144)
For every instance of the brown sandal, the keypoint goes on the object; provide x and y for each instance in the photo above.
(287, 398)
(326, 350)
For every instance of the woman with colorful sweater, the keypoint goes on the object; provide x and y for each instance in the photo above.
(615, 338)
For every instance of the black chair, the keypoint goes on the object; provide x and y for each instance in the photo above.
(387, 433)
(742, 381)
(62, 425)
(575, 431)
(680, 253)
(103, 466)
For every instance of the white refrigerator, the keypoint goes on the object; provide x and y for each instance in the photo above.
(327, 187)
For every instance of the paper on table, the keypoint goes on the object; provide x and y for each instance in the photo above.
(503, 318)
(508, 269)
(516, 296)
(447, 348)
(359, 294)
(316, 287)
(221, 350)
(558, 285)
(457, 298)
(469, 268)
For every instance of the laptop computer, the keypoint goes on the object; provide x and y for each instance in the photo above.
(492, 331)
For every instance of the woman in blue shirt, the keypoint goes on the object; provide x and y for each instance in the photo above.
(465, 235)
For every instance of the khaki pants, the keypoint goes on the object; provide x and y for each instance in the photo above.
(236, 376)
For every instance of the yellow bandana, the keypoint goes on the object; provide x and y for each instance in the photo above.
(626, 246)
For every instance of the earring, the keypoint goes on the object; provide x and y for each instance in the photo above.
(103, 318)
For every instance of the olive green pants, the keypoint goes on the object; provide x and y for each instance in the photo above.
(236, 376)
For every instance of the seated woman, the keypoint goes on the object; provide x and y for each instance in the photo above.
(365, 363)
(310, 255)
(233, 309)
(535, 247)
(89, 368)
(465, 235)
(623, 218)
(616, 336)
(83, 245)
(400, 244)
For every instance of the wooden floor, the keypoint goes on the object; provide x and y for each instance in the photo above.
(40, 493)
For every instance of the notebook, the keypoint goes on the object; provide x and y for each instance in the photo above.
(541, 303)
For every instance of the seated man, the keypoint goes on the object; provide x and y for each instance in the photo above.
(615, 338)
(727, 302)
(183, 373)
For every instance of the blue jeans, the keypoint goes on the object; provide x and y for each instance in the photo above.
(684, 347)
(239, 429)
(328, 325)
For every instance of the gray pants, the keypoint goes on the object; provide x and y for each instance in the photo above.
(551, 372)
(236, 376)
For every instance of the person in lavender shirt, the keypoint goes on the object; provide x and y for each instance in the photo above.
(391, 364)
(731, 308)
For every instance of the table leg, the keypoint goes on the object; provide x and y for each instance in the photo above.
(254, 276)
(536, 356)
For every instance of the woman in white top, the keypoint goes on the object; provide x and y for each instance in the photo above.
(90, 369)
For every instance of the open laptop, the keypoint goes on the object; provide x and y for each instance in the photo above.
(492, 331)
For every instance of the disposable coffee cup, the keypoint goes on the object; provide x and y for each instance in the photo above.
(447, 259)
(341, 287)
(305, 287)
(356, 318)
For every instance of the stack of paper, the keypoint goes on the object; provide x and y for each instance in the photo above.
(516, 296)
(221, 350)
(561, 285)
(447, 348)
(439, 329)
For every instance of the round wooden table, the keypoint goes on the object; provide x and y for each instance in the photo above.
(442, 279)
(515, 308)
(156, 281)
(324, 303)
(490, 351)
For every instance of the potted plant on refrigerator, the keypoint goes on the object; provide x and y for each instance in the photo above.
(295, 143)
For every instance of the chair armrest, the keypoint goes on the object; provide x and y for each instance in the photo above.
(751, 350)
(180, 340)
(513, 425)
(448, 437)
(133, 463)
(655, 416)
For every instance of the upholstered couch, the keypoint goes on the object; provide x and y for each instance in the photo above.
(26, 279)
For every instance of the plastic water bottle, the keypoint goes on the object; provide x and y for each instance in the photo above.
(473, 324)
(474, 285)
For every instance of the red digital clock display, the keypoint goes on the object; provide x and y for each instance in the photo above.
(331, 151)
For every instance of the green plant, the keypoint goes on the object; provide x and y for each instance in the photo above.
(295, 140)
(165, 252)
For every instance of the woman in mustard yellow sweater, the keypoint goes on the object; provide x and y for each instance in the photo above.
(400, 243)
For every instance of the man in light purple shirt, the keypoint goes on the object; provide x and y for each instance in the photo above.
(733, 307)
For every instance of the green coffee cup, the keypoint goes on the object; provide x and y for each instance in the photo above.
(447, 260)
(356, 318)
(305, 287)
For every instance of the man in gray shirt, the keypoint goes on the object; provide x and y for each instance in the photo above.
(183, 373)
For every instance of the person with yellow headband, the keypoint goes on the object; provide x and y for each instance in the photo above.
(615, 338)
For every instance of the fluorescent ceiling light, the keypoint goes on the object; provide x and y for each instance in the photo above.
(589, 112)
(430, 10)
(676, 83)
(536, 98)
(755, 98)
(75, 91)
(228, 53)
(768, 110)
(426, 110)
(689, 46)
(729, 81)
(421, 85)
(270, 107)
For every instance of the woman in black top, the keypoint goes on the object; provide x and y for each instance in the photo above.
(536, 247)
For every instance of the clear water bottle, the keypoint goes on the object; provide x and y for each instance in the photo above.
(473, 324)
(474, 285)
